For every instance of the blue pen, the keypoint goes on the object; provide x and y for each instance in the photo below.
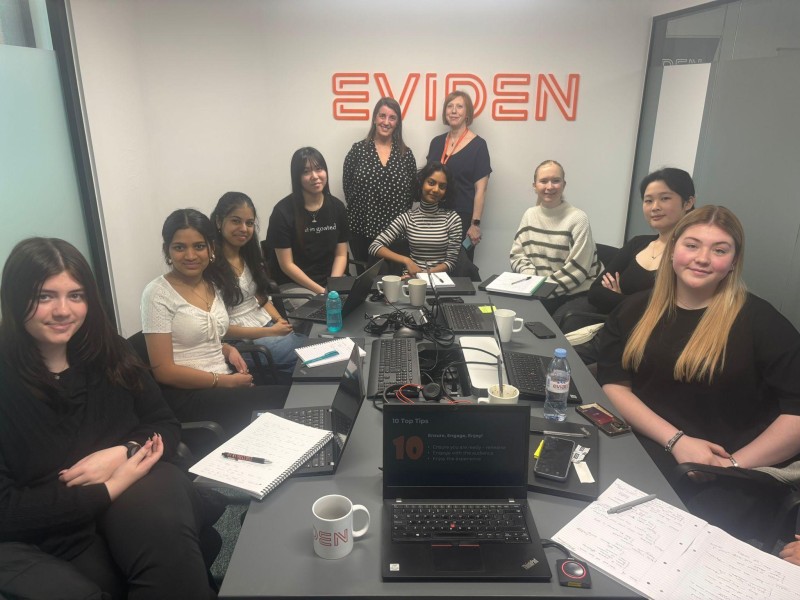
(323, 357)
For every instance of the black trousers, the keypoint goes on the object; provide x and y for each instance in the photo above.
(232, 408)
(146, 547)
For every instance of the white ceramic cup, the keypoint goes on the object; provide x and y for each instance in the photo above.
(390, 287)
(415, 290)
(507, 323)
(509, 395)
(333, 526)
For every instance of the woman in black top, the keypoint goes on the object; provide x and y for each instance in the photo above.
(308, 231)
(85, 498)
(378, 178)
(667, 195)
(467, 156)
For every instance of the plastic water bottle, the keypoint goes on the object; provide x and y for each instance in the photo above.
(333, 309)
(558, 376)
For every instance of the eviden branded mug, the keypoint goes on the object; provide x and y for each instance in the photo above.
(333, 517)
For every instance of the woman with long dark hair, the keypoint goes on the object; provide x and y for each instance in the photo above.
(184, 318)
(432, 230)
(89, 506)
(308, 232)
(243, 270)
(378, 178)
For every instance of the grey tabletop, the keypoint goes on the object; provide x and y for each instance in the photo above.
(274, 557)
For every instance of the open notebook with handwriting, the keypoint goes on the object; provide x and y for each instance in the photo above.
(663, 552)
(285, 444)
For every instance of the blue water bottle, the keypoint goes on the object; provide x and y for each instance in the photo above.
(558, 376)
(333, 308)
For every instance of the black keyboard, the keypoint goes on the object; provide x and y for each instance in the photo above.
(313, 417)
(463, 317)
(527, 372)
(392, 361)
(320, 313)
(498, 523)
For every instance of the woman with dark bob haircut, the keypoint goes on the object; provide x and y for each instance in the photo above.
(667, 195)
(184, 318)
(433, 232)
(252, 317)
(89, 508)
(378, 178)
(308, 231)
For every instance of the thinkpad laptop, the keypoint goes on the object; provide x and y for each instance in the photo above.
(314, 309)
(455, 494)
(338, 418)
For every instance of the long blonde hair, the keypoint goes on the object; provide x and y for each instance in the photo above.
(704, 353)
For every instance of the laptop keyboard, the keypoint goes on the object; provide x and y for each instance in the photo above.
(393, 361)
(463, 317)
(313, 417)
(497, 523)
(320, 313)
(526, 372)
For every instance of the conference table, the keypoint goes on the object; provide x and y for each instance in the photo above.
(274, 556)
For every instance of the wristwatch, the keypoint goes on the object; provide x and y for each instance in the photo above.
(476, 222)
(133, 448)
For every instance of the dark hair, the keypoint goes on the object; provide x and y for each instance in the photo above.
(301, 158)
(397, 135)
(250, 252)
(678, 180)
(470, 109)
(189, 218)
(95, 345)
(427, 171)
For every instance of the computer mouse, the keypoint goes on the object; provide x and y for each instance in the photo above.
(407, 332)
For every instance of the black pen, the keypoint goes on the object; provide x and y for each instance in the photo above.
(254, 459)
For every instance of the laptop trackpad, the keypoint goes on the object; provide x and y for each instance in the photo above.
(457, 558)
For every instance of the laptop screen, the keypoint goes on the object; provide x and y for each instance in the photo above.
(455, 451)
(348, 399)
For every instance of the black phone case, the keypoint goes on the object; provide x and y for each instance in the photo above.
(540, 330)
(555, 459)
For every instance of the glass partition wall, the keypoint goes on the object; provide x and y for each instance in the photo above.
(722, 100)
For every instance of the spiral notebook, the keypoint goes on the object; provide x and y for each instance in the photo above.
(285, 444)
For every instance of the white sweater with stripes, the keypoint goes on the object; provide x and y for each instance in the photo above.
(557, 243)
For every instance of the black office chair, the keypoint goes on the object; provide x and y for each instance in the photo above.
(750, 505)
(578, 313)
(465, 267)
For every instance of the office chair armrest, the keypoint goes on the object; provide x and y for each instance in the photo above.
(586, 318)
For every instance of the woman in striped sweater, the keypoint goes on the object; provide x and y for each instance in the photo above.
(433, 232)
(554, 240)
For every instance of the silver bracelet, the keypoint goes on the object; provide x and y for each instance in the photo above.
(673, 440)
(733, 461)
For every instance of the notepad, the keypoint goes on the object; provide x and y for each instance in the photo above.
(312, 356)
(666, 553)
(440, 280)
(516, 283)
(286, 444)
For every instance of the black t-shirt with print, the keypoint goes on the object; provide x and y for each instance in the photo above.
(314, 253)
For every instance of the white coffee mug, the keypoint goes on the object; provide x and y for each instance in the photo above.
(390, 287)
(509, 395)
(333, 525)
(415, 290)
(508, 322)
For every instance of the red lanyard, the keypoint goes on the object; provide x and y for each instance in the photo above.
(445, 155)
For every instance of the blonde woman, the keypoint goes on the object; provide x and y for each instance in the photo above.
(701, 368)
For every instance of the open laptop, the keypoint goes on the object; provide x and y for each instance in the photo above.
(338, 418)
(463, 286)
(528, 372)
(458, 317)
(314, 309)
(455, 494)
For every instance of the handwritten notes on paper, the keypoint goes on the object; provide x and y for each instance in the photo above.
(663, 552)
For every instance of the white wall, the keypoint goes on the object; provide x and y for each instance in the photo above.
(187, 99)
